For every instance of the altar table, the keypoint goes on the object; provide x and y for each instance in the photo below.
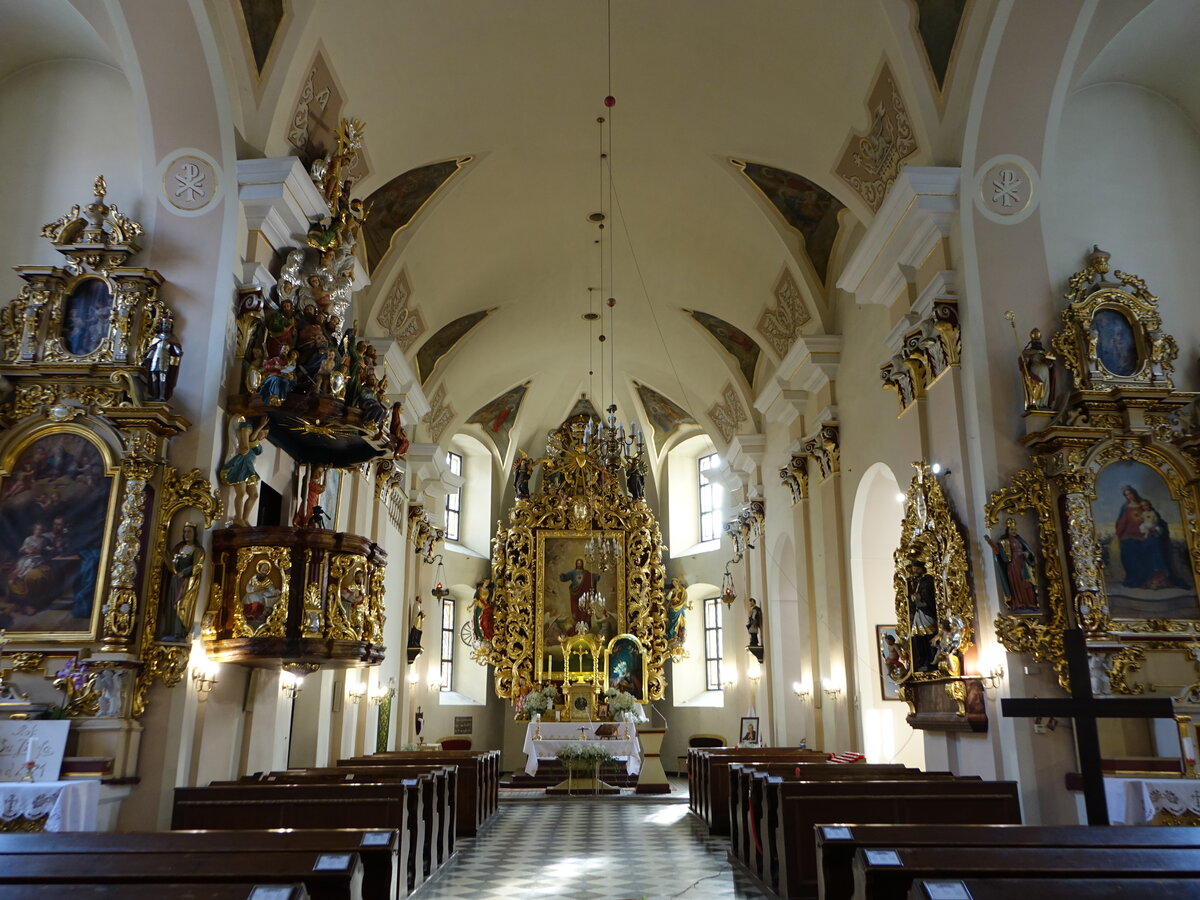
(556, 735)
(1146, 801)
(49, 805)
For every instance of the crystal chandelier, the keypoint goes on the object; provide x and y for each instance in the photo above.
(603, 551)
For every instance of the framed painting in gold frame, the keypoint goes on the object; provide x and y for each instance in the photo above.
(57, 503)
(564, 580)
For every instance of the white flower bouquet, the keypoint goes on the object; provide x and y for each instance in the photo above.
(584, 755)
(539, 701)
(624, 705)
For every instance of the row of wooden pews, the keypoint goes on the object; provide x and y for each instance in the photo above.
(430, 798)
(804, 828)
(371, 828)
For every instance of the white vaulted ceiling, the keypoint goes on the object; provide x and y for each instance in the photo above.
(518, 85)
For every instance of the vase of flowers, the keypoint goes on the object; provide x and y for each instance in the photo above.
(624, 706)
(537, 702)
(584, 756)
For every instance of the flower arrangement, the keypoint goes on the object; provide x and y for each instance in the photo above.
(537, 702)
(624, 705)
(584, 755)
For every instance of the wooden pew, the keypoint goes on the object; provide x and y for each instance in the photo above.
(1057, 888)
(709, 769)
(479, 795)
(794, 808)
(201, 891)
(327, 876)
(377, 848)
(440, 806)
(837, 844)
(888, 874)
(262, 806)
(750, 835)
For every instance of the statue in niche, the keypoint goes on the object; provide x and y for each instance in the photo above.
(677, 604)
(1015, 567)
(1038, 377)
(522, 472)
(482, 614)
(922, 605)
(185, 565)
(162, 360)
(416, 626)
(754, 622)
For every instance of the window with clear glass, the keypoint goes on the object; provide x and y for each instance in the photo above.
(712, 643)
(447, 642)
(454, 499)
(710, 498)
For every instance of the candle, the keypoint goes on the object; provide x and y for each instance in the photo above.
(29, 752)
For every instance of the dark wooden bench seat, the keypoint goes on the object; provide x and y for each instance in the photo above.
(888, 874)
(710, 774)
(745, 796)
(837, 845)
(485, 765)
(244, 807)
(1060, 888)
(327, 876)
(126, 891)
(792, 809)
(377, 848)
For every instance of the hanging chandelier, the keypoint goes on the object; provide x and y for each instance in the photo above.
(602, 551)
(728, 594)
(439, 579)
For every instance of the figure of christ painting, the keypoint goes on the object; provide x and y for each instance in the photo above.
(574, 598)
(1116, 347)
(627, 667)
(1143, 545)
(53, 508)
(85, 321)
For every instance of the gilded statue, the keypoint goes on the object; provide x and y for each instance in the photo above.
(1037, 373)
(185, 565)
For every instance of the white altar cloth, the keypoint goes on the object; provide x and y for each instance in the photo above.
(1136, 801)
(556, 735)
(67, 805)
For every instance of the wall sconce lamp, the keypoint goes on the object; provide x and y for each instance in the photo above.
(381, 692)
(802, 691)
(754, 673)
(414, 677)
(993, 678)
(290, 683)
(204, 677)
(356, 692)
(435, 682)
(830, 689)
(730, 680)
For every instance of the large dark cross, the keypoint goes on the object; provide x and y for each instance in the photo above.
(1085, 709)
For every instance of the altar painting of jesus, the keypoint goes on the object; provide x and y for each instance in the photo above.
(568, 588)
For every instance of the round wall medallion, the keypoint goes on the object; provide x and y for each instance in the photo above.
(189, 183)
(1007, 189)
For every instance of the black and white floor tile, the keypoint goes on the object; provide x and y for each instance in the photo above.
(591, 849)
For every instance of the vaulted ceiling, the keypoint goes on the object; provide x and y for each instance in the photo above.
(699, 84)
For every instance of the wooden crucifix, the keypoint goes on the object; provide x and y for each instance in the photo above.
(1085, 709)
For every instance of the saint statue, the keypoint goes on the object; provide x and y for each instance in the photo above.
(239, 472)
(1015, 567)
(922, 605)
(1037, 374)
(185, 565)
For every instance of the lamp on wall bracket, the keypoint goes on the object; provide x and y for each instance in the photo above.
(204, 677)
(439, 579)
(831, 689)
(728, 594)
(802, 691)
(357, 691)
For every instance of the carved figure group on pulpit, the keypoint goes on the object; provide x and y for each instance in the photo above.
(260, 594)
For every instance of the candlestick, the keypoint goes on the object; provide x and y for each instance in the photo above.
(29, 752)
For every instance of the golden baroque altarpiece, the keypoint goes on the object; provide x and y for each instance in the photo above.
(1111, 494)
(544, 564)
(94, 593)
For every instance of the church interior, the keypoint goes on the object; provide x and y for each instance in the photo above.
(662, 395)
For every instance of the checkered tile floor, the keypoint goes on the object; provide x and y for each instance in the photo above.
(591, 849)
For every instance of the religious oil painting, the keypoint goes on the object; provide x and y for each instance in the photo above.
(1116, 346)
(55, 501)
(626, 664)
(85, 317)
(1143, 544)
(497, 418)
(891, 659)
(575, 596)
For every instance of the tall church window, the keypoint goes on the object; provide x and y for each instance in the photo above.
(454, 499)
(710, 498)
(713, 649)
(447, 633)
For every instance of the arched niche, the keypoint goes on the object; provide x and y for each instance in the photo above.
(874, 537)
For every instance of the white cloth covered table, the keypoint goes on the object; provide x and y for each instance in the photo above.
(67, 805)
(556, 735)
(1136, 801)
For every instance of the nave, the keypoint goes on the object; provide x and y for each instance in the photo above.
(588, 849)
